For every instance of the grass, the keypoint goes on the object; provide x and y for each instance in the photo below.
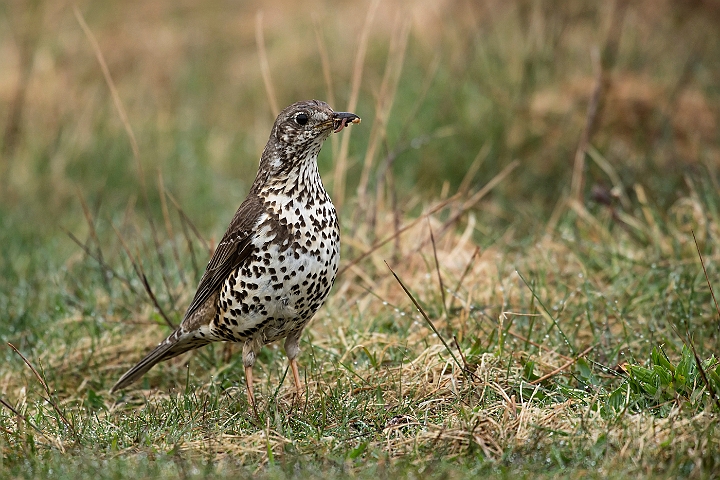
(492, 317)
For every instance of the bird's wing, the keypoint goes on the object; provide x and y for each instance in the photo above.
(234, 248)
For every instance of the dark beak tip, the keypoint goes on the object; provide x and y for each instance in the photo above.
(350, 117)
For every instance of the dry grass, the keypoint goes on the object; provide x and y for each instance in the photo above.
(380, 384)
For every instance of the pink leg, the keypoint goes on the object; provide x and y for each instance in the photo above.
(249, 383)
(296, 375)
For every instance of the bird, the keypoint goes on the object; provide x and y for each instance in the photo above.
(276, 263)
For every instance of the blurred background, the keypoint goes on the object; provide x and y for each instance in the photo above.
(450, 92)
(446, 89)
(442, 83)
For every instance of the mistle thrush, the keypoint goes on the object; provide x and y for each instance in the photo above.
(275, 265)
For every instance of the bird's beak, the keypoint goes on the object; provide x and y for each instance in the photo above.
(343, 119)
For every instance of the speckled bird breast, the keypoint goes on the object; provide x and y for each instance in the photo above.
(288, 275)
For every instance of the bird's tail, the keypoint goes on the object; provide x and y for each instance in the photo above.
(176, 344)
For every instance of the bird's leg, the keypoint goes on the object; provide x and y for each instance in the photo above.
(296, 375)
(249, 361)
(249, 384)
(292, 348)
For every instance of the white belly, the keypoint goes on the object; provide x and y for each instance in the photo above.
(282, 284)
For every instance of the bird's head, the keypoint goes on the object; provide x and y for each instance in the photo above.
(310, 121)
(299, 132)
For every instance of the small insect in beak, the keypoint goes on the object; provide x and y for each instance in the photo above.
(343, 119)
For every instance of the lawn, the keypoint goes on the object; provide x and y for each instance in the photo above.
(530, 215)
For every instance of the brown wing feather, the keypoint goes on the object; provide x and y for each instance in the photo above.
(234, 248)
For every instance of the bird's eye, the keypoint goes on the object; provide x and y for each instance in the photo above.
(301, 118)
